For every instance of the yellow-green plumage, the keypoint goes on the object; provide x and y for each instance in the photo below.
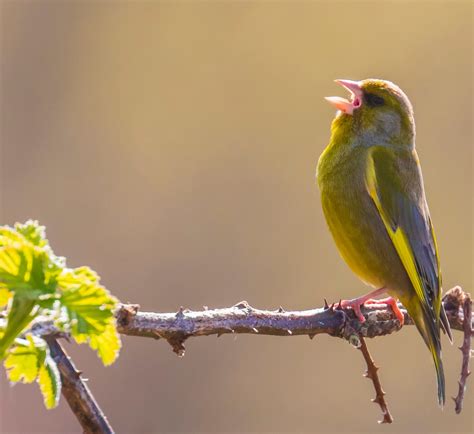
(374, 203)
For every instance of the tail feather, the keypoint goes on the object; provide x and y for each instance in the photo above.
(430, 331)
(445, 324)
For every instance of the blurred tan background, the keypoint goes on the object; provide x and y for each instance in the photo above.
(172, 147)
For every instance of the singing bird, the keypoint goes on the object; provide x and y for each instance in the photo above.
(374, 202)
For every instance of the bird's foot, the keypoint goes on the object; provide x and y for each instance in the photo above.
(392, 302)
(355, 305)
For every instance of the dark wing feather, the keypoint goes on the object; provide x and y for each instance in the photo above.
(395, 183)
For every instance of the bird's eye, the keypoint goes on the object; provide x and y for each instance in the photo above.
(374, 100)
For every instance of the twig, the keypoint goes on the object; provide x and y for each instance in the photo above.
(453, 302)
(466, 353)
(243, 318)
(372, 374)
(77, 394)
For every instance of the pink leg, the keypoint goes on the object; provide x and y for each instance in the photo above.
(356, 303)
(392, 302)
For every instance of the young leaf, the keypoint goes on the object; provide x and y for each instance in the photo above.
(29, 360)
(5, 295)
(107, 344)
(49, 381)
(28, 270)
(21, 313)
(90, 309)
(33, 232)
(22, 361)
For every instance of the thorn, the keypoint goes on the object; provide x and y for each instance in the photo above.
(331, 307)
(326, 305)
(377, 400)
(177, 343)
(339, 306)
(180, 313)
(242, 305)
(312, 335)
(280, 310)
(255, 330)
(129, 311)
(205, 307)
(290, 332)
(354, 340)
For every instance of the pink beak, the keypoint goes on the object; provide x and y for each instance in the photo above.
(343, 104)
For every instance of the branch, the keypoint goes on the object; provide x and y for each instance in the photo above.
(466, 353)
(77, 394)
(372, 374)
(243, 318)
(175, 328)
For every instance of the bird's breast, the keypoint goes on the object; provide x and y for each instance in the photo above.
(352, 217)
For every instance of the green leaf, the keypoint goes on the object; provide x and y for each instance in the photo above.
(107, 344)
(26, 259)
(33, 232)
(89, 305)
(34, 281)
(90, 309)
(5, 295)
(28, 361)
(28, 270)
(49, 381)
(21, 313)
(22, 361)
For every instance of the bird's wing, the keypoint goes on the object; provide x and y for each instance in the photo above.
(394, 182)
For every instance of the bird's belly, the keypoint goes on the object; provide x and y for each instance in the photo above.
(360, 235)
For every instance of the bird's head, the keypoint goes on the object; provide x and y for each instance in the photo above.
(377, 110)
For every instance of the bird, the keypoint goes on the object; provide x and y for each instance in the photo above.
(374, 203)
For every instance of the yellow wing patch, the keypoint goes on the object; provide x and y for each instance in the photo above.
(398, 237)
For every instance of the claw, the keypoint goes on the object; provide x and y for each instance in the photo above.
(355, 306)
(392, 302)
(356, 303)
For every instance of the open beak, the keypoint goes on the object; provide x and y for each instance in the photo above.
(344, 105)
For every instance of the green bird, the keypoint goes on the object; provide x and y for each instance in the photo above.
(374, 202)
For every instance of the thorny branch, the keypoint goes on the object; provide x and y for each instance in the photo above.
(466, 351)
(372, 374)
(177, 327)
(77, 394)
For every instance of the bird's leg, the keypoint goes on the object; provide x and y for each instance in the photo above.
(356, 303)
(392, 302)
